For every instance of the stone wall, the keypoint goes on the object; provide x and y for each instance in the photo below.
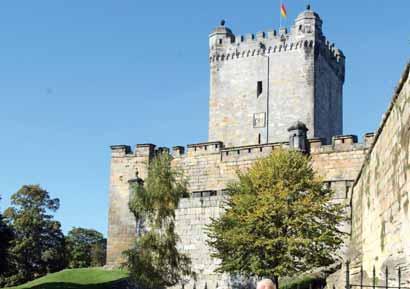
(209, 167)
(192, 215)
(125, 166)
(301, 77)
(328, 115)
(380, 200)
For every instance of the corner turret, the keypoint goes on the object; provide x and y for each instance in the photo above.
(220, 35)
(309, 22)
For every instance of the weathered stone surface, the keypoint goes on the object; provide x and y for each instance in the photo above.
(380, 198)
(306, 75)
(208, 168)
(274, 78)
(125, 166)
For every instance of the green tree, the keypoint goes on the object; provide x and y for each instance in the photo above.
(38, 246)
(280, 220)
(155, 262)
(6, 236)
(80, 244)
(99, 253)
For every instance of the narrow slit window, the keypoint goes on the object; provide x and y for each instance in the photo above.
(259, 89)
(259, 139)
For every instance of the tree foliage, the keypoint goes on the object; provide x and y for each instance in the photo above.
(6, 236)
(85, 248)
(99, 253)
(280, 220)
(155, 262)
(38, 246)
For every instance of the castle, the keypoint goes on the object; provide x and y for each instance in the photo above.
(269, 90)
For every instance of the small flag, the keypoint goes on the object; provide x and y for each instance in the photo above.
(283, 11)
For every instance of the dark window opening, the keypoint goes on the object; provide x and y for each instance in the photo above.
(259, 89)
(220, 41)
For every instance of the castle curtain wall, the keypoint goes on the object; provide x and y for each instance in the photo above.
(381, 196)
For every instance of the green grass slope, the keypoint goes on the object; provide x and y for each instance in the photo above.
(87, 278)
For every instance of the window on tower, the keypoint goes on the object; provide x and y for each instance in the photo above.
(259, 120)
(259, 89)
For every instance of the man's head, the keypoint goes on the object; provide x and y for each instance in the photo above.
(266, 284)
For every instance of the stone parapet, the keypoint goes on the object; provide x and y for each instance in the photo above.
(120, 150)
(144, 149)
(178, 151)
(204, 148)
(306, 33)
(251, 152)
(340, 143)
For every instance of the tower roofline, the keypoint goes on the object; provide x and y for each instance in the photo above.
(305, 32)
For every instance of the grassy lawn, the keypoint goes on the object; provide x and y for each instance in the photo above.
(87, 278)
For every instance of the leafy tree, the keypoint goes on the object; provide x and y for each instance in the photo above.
(99, 253)
(155, 262)
(280, 220)
(38, 246)
(81, 248)
(6, 235)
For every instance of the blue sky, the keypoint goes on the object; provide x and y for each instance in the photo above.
(77, 76)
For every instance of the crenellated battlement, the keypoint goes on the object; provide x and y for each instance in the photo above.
(204, 148)
(120, 150)
(251, 152)
(270, 43)
(305, 36)
(141, 150)
(316, 145)
(340, 143)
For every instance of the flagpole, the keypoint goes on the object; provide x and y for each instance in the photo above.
(280, 14)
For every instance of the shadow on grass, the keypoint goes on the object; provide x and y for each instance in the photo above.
(117, 284)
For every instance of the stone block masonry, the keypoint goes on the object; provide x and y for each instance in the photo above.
(125, 166)
(262, 84)
(209, 168)
(380, 200)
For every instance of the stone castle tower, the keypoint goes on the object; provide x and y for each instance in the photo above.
(260, 85)
(273, 90)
